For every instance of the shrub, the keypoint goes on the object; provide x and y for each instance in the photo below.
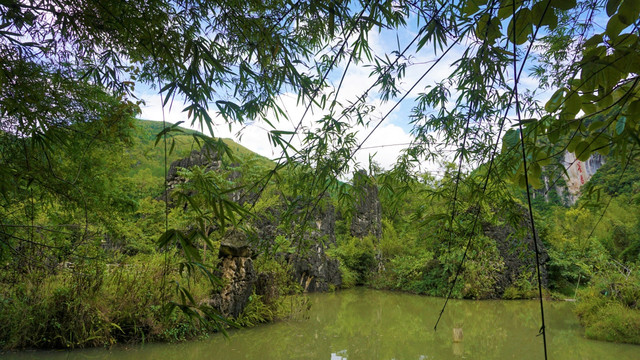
(349, 277)
(524, 287)
(481, 270)
(409, 271)
(277, 299)
(358, 255)
(604, 319)
(256, 312)
(390, 244)
(97, 305)
(280, 273)
(571, 259)
(608, 308)
(52, 312)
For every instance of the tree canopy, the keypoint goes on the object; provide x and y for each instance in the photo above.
(235, 58)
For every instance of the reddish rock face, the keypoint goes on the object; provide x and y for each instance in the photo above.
(579, 172)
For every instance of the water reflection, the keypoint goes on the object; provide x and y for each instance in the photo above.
(458, 349)
(340, 355)
(367, 324)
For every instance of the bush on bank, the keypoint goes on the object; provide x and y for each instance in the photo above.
(609, 308)
(95, 305)
(101, 305)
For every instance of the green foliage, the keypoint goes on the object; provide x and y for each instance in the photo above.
(390, 244)
(53, 313)
(138, 44)
(613, 181)
(148, 156)
(349, 276)
(73, 189)
(282, 245)
(612, 322)
(410, 272)
(256, 312)
(609, 308)
(118, 219)
(573, 254)
(422, 248)
(620, 229)
(96, 305)
(278, 301)
(524, 287)
(482, 269)
(358, 255)
(105, 216)
(279, 273)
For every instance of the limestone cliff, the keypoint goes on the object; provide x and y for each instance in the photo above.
(206, 157)
(239, 278)
(567, 182)
(311, 266)
(367, 216)
(518, 252)
(579, 172)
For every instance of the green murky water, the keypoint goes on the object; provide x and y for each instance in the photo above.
(368, 324)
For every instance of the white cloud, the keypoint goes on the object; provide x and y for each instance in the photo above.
(382, 143)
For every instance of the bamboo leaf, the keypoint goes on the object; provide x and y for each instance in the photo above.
(629, 11)
(612, 7)
(620, 124)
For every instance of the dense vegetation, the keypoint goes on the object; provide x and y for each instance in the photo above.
(82, 183)
(108, 282)
(87, 270)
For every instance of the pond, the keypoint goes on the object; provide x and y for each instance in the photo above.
(368, 324)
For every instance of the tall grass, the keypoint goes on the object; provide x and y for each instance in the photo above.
(95, 305)
(609, 308)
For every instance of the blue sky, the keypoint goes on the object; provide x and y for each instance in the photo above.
(394, 130)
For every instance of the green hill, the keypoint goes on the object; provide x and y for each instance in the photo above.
(147, 158)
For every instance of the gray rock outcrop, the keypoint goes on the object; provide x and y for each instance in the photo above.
(314, 270)
(518, 253)
(311, 266)
(234, 244)
(210, 160)
(367, 216)
(239, 277)
(237, 273)
(206, 157)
